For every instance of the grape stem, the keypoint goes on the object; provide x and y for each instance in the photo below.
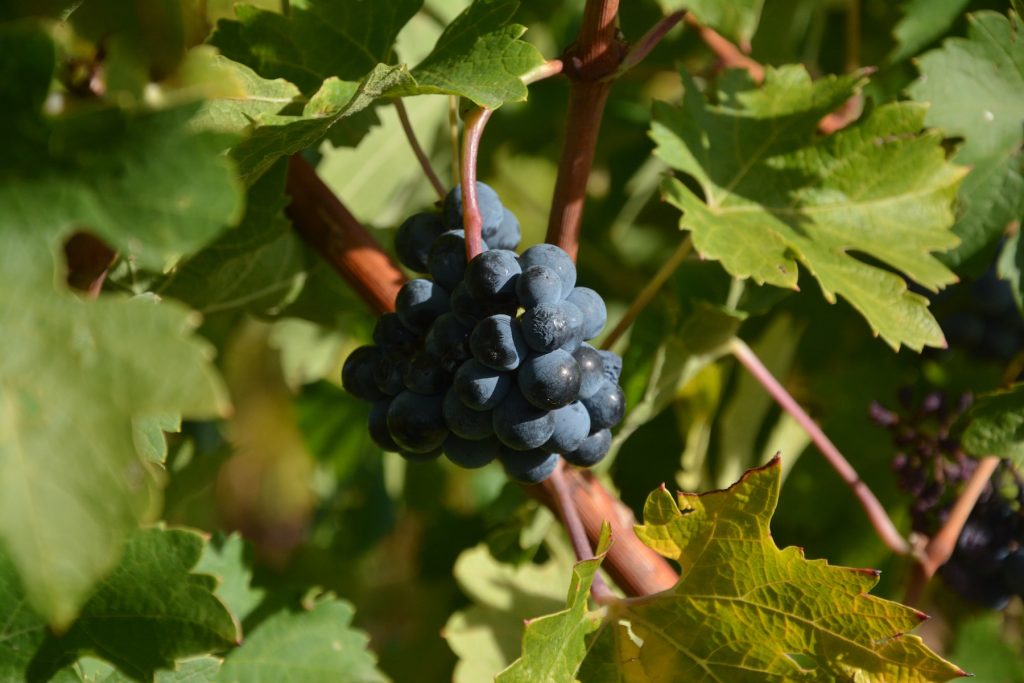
(453, 135)
(879, 518)
(550, 68)
(417, 150)
(337, 237)
(476, 121)
(650, 40)
(940, 547)
(649, 291)
(577, 533)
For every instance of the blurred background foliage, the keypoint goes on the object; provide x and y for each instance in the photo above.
(295, 472)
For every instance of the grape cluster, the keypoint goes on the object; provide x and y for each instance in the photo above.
(987, 566)
(488, 359)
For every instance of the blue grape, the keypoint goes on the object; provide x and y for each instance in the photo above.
(606, 406)
(591, 450)
(481, 387)
(465, 421)
(387, 375)
(612, 365)
(498, 343)
(471, 454)
(492, 275)
(379, 425)
(448, 339)
(528, 467)
(576, 325)
(414, 239)
(357, 373)
(447, 262)
(572, 425)
(550, 380)
(419, 303)
(416, 422)
(508, 234)
(538, 285)
(554, 258)
(521, 425)
(491, 210)
(547, 326)
(591, 369)
(468, 310)
(392, 336)
(424, 374)
(595, 313)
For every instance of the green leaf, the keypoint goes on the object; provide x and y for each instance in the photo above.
(319, 39)
(975, 90)
(554, 645)
(197, 670)
(141, 180)
(736, 20)
(744, 610)
(776, 193)
(1010, 267)
(242, 98)
(150, 612)
(480, 57)
(257, 267)
(995, 425)
(226, 562)
(923, 21)
(281, 135)
(315, 645)
(148, 433)
(488, 635)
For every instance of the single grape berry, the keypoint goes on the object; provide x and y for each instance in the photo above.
(388, 373)
(554, 258)
(528, 467)
(572, 425)
(492, 275)
(416, 422)
(424, 374)
(357, 373)
(591, 450)
(591, 369)
(538, 285)
(491, 210)
(507, 235)
(393, 337)
(465, 421)
(520, 425)
(606, 406)
(414, 239)
(471, 454)
(419, 303)
(448, 339)
(481, 387)
(447, 261)
(576, 325)
(550, 380)
(547, 327)
(379, 425)
(595, 313)
(612, 365)
(497, 342)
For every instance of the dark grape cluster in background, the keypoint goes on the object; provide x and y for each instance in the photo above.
(488, 359)
(987, 566)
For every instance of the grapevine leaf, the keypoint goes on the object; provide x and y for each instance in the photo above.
(975, 90)
(257, 267)
(488, 635)
(923, 21)
(141, 180)
(148, 433)
(315, 645)
(226, 562)
(995, 425)
(196, 670)
(322, 39)
(480, 57)
(736, 20)
(1010, 267)
(554, 645)
(148, 613)
(242, 98)
(775, 193)
(284, 134)
(744, 610)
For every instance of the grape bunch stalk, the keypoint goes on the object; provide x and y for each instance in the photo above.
(487, 359)
(987, 565)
